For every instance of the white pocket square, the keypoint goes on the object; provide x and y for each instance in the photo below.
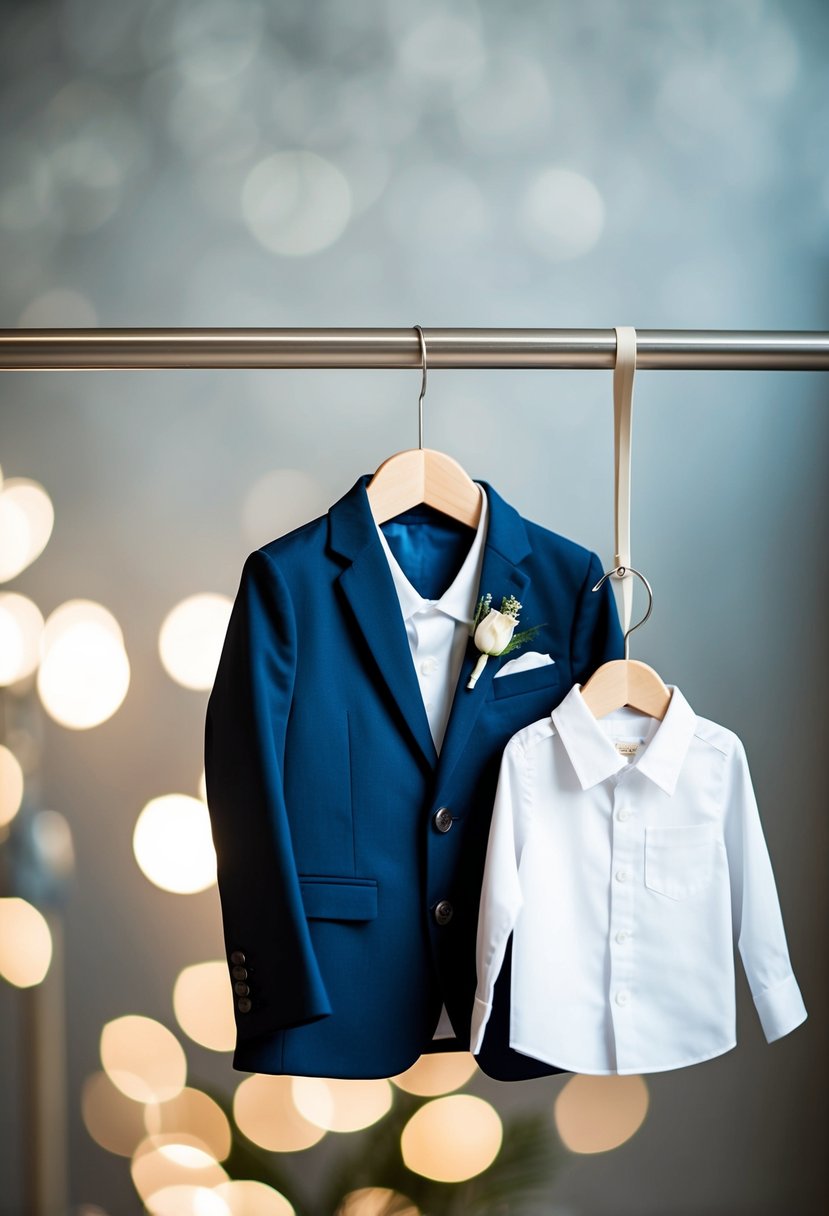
(525, 662)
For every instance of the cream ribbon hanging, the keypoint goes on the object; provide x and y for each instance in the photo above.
(623, 375)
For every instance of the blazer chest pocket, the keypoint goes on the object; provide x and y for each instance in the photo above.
(327, 898)
(681, 861)
(536, 679)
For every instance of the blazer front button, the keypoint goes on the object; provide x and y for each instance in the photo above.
(244, 1004)
(443, 819)
(444, 912)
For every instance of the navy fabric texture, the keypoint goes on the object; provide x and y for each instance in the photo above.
(323, 781)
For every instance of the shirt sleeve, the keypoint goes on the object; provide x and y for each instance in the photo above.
(501, 897)
(265, 926)
(756, 916)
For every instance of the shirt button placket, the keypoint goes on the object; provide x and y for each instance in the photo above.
(625, 867)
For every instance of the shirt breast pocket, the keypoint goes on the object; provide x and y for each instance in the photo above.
(681, 861)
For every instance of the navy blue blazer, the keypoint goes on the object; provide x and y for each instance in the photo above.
(323, 785)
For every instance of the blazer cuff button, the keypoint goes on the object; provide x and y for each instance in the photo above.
(244, 1004)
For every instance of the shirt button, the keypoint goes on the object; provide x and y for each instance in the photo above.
(622, 936)
(622, 997)
(428, 667)
(624, 814)
(444, 912)
(621, 875)
(443, 819)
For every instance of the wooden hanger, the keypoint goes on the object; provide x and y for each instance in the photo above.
(626, 682)
(423, 475)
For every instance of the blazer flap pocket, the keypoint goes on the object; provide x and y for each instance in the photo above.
(544, 677)
(339, 898)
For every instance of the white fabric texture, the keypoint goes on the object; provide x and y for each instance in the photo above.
(438, 633)
(627, 857)
(527, 661)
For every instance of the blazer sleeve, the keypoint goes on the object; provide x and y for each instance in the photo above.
(597, 634)
(245, 729)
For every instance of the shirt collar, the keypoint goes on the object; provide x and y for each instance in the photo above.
(594, 757)
(458, 600)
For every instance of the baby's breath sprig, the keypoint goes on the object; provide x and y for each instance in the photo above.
(484, 605)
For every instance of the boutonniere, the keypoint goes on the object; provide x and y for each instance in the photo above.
(494, 633)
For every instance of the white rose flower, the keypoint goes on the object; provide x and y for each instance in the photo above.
(492, 637)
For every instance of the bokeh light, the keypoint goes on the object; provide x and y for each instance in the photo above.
(194, 1114)
(11, 785)
(26, 520)
(438, 1073)
(185, 1199)
(84, 672)
(296, 203)
(21, 628)
(376, 1201)
(53, 850)
(265, 1112)
(167, 1161)
(441, 46)
(113, 1120)
(203, 1004)
(25, 943)
(595, 1114)
(562, 214)
(452, 1139)
(339, 1105)
(247, 1198)
(509, 106)
(59, 308)
(143, 1058)
(191, 637)
(173, 845)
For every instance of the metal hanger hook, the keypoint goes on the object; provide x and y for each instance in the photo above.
(422, 388)
(621, 571)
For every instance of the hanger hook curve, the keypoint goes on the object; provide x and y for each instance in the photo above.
(621, 571)
(422, 388)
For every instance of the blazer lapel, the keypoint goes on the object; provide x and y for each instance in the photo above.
(506, 545)
(368, 588)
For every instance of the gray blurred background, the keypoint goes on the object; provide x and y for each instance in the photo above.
(243, 163)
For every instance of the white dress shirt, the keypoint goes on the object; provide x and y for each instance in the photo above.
(626, 856)
(438, 633)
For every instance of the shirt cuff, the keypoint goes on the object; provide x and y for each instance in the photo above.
(480, 1016)
(780, 1009)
